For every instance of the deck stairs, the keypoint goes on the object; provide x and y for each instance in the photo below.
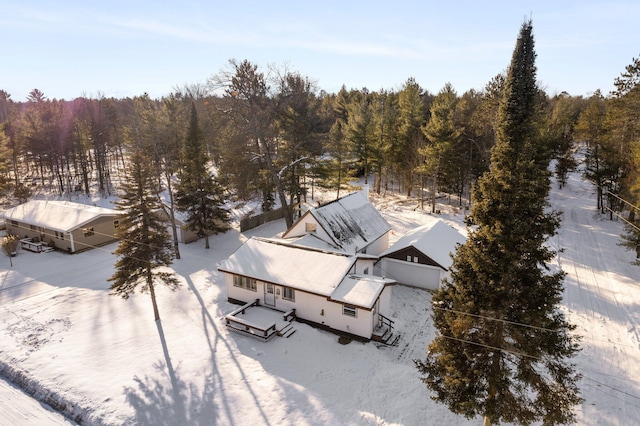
(384, 333)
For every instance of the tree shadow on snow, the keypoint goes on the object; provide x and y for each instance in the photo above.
(158, 401)
(215, 340)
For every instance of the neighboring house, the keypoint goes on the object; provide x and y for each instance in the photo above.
(350, 224)
(422, 257)
(66, 226)
(334, 290)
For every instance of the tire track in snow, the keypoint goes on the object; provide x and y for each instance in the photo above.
(595, 296)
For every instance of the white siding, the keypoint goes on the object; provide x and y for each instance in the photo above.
(242, 294)
(299, 229)
(385, 302)
(422, 276)
(363, 265)
(379, 245)
(311, 307)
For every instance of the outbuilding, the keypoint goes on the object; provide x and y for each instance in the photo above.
(422, 257)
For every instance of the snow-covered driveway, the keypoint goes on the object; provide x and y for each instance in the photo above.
(602, 297)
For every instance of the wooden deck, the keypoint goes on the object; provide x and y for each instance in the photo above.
(260, 322)
(35, 246)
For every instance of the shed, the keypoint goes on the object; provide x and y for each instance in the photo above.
(422, 257)
(350, 223)
(334, 290)
(63, 225)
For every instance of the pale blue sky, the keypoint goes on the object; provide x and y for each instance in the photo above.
(125, 48)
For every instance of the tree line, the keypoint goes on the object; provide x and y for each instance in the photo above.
(272, 134)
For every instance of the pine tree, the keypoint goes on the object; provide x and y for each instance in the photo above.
(198, 193)
(442, 136)
(145, 248)
(503, 345)
(590, 129)
(5, 160)
(411, 117)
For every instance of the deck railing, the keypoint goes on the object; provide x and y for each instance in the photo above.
(238, 324)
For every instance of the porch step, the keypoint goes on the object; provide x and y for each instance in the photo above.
(286, 330)
(388, 338)
(394, 342)
(290, 333)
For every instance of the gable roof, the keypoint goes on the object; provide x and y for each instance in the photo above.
(314, 271)
(360, 290)
(352, 222)
(311, 240)
(435, 240)
(62, 216)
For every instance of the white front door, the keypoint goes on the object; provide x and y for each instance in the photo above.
(269, 294)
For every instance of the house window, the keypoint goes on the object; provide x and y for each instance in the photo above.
(87, 232)
(349, 311)
(366, 271)
(310, 227)
(33, 227)
(244, 282)
(408, 258)
(116, 223)
(14, 222)
(288, 294)
(415, 259)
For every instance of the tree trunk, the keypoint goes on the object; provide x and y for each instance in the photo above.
(206, 240)
(172, 216)
(288, 217)
(152, 291)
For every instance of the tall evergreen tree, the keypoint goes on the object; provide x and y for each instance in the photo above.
(503, 345)
(590, 129)
(412, 116)
(198, 193)
(145, 247)
(442, 140)
(5, 160)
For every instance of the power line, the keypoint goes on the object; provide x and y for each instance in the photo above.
(634, 226)
(522, 354)
(523, 325)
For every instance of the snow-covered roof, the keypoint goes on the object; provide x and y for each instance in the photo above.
(63, 216)
(315, 271)
(305, 269)
(351, 221)
(435, 240)
(312, 241)
(360, 290)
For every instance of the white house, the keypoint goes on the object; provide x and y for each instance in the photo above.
(422, 257)
(334, 290)
(66, 226)
(350, 224)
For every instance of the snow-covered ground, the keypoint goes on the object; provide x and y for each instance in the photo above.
(106, 362)
(18, 408)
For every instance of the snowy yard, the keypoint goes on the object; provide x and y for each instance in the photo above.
(109, 363)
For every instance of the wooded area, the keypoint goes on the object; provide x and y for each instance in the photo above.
(273, 134)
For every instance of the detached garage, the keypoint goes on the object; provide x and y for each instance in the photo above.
(422, 257)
